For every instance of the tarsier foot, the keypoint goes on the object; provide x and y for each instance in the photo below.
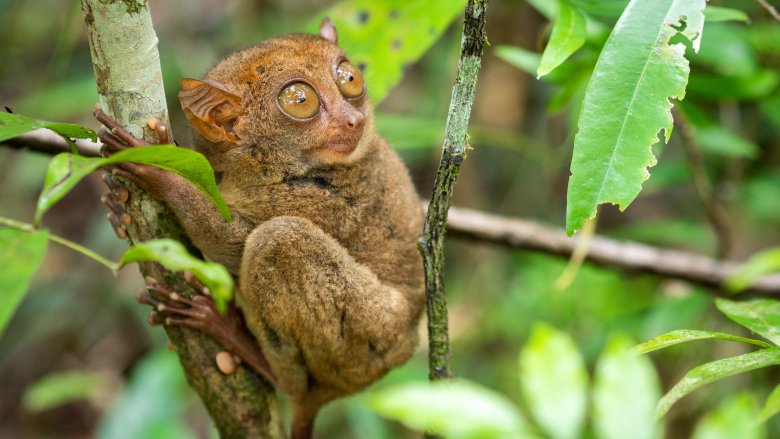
(200, 312)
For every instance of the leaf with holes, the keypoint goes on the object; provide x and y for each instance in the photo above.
(627, 104)
(173, 256)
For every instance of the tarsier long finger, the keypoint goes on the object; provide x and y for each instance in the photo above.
(326, 220)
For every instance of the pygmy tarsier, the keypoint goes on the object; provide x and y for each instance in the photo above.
(326, 220)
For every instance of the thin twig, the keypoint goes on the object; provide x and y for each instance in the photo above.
(771, 9)
(45, 140)
(630, 256)
(714, 209)
(454, 151)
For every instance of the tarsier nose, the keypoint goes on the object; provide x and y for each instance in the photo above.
(355, 120)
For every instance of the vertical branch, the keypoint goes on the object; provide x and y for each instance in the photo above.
(454, 151)
(127, 68)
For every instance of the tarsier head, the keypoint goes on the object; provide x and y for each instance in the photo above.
(290, 99)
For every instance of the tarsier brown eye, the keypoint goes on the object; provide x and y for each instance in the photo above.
(349, 80)
(299, 100)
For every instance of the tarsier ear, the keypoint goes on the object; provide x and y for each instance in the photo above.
(328, 31)
(211, 109)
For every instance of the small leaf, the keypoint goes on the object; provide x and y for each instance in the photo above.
(568, 35)
(458, 410)
(733, 418)
(66, 170)
(627, 104)
(554, 382)
(685, 335)
(772, 406)
(524, 60)
(761, 316)
(173, 256)
(625, 390)
(714, 14)
(12, 125)
(61, 388)
(716, 370)
(760, 264)
(21, 253)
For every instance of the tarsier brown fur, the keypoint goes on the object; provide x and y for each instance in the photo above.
(323, 240)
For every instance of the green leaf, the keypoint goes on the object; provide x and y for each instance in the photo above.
(716, 370)
(772, 406)
(625, 390)
(733, 418)
(458, 410)
(760, 264)
(568, 35)
(554, 382)
(716, 13)
(65, 170)
(548, 8)
(152, 404)
(173, 256)
(12, 125)
(61, 388)
(627, 104)
(21, 253)
(524, 60)
(761, 316)
(384, 38)
(685, 335)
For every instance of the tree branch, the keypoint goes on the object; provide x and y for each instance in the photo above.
(769, 8)
(454, 150)
(124, 52)
(630, 256)
(524, 234)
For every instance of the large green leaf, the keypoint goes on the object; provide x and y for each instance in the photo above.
(685, 335)
(65, 170)
(62, 388)
(760, 264)
(21, 253)
(554, 382)
(384, 38)
(173, 256)
(12, 125)
(716, 370)
(733, 418)
(761, 316)
(627, 104)
(152, 404)
(459, 410)
(625, 390)
(568, 35)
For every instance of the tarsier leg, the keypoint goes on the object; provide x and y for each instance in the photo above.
(114, 199)
(200, 313)
(326, 323)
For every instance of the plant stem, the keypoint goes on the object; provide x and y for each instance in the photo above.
(454, 151)
(25, 227)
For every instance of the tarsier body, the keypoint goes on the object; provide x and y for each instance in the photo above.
(326, 220)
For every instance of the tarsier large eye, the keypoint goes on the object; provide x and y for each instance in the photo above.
(299, 100)
(349, 80)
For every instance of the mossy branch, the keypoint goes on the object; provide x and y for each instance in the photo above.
(127, 68)
(454, 151)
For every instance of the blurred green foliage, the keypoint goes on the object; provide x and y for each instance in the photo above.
(522, 131)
